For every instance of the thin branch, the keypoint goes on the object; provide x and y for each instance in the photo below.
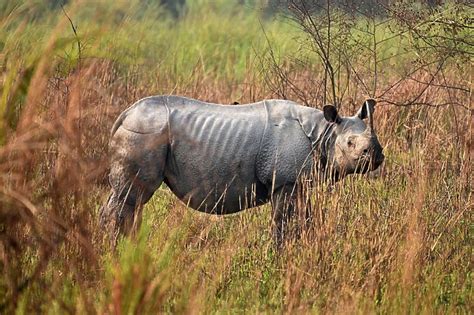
(79, 46)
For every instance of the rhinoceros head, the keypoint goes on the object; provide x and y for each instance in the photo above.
(354, 147)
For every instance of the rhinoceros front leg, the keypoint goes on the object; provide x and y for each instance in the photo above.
(283, 208)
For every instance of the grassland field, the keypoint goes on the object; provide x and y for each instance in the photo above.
(398, 241)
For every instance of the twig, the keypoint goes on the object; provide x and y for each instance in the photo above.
(79, 46)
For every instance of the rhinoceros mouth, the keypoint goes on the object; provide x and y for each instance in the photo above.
(379, 160)
(369, 163)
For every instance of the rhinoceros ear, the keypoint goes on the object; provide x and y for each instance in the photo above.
(330, 114)
(368, 104)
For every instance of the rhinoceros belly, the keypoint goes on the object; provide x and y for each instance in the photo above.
(212, 156)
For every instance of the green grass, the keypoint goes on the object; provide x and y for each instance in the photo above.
(211, 264)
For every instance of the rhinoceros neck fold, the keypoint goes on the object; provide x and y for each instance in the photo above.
(322, 146)
(324, 138)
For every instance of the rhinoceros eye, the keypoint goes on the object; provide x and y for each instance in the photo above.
(349, 143)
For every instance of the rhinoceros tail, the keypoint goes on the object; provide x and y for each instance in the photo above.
(118, 122)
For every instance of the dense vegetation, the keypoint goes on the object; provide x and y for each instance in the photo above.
(397, 241)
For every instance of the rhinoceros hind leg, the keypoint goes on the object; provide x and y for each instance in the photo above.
(283, 208)
(136, 171)
(117, 217)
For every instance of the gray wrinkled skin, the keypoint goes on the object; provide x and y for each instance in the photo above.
(222, 159)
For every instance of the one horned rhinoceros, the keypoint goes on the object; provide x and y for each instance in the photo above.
(222, 159)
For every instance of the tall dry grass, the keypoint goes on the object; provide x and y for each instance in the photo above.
(399, 241)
